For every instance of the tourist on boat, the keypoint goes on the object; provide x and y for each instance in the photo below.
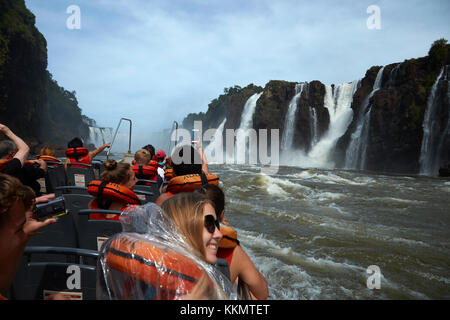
(77, 153)
(47, 154)
(145, 168)
(190, 171)
(13, 152)
(17, 225)
(150, 149)
(114, 190)
(13, 155)
(160, 157)
(241, 266)
(165, 253)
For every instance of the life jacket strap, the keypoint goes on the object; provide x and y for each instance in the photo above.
(102, 204)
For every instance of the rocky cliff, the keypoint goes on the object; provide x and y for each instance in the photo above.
(31, 102)
(397, 115)
(388, 108)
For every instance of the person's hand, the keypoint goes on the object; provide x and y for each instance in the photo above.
(32, 225)
(198, 144)
(4, 129)
(201, 291)
(42, 164)
(57, 296)
(108, 145)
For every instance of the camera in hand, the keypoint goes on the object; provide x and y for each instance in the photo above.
(51, 209)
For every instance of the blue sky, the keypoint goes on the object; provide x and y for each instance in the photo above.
(156, 61)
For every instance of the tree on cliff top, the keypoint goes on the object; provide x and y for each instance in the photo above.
(439, 52)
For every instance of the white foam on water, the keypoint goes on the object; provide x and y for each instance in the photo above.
(409, 242)
(331, 178)
(326, 196)
(391, 199)
(286, 281)
(434, 277)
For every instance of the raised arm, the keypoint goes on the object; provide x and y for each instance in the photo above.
(198, 146)
(94, 153)
(22, 147)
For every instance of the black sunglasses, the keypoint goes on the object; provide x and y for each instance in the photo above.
(211, 223)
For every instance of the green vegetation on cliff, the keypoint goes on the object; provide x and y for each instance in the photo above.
(31, 102)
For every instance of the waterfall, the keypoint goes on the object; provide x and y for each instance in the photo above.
(98, 136)
(355, 156)
(338, 104)
(289, 122)
(428, 157)
(242, 146)
(393, 76)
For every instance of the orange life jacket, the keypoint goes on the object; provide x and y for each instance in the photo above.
(106, 193)
(227, 244)
(169, 272)
(168, 174)
(148, 172)
(190, 182)
(78, 155)
(49, 158)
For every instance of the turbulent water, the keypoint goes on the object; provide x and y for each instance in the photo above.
(313, 233)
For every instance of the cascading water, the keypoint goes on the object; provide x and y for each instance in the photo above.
(355, 156)
(338, 104)
(428, 157)
(313, 126)
(289, 122)
(242, 146)
(98, 136)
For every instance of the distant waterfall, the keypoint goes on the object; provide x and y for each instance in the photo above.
(338, 103)
(313, 126)
(355, 156)
(339, 108)
(428, 158)
(289, 122)
(98, 136)
(242, 146)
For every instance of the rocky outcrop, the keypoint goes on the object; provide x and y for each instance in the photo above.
(397, 114)
(32, 104)
(272, 106)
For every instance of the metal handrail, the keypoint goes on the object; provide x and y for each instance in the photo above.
(114, 137)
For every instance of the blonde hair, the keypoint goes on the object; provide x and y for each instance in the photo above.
(186, 211)
(142, 157)
(116, 172)
(47, 151)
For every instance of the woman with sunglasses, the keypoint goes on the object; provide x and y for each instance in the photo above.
(171, 239)
(196, 220)
(241, 266)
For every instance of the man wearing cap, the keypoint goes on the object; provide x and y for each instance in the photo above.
(159, 157)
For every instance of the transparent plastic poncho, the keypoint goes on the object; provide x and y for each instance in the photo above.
(150, 260)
